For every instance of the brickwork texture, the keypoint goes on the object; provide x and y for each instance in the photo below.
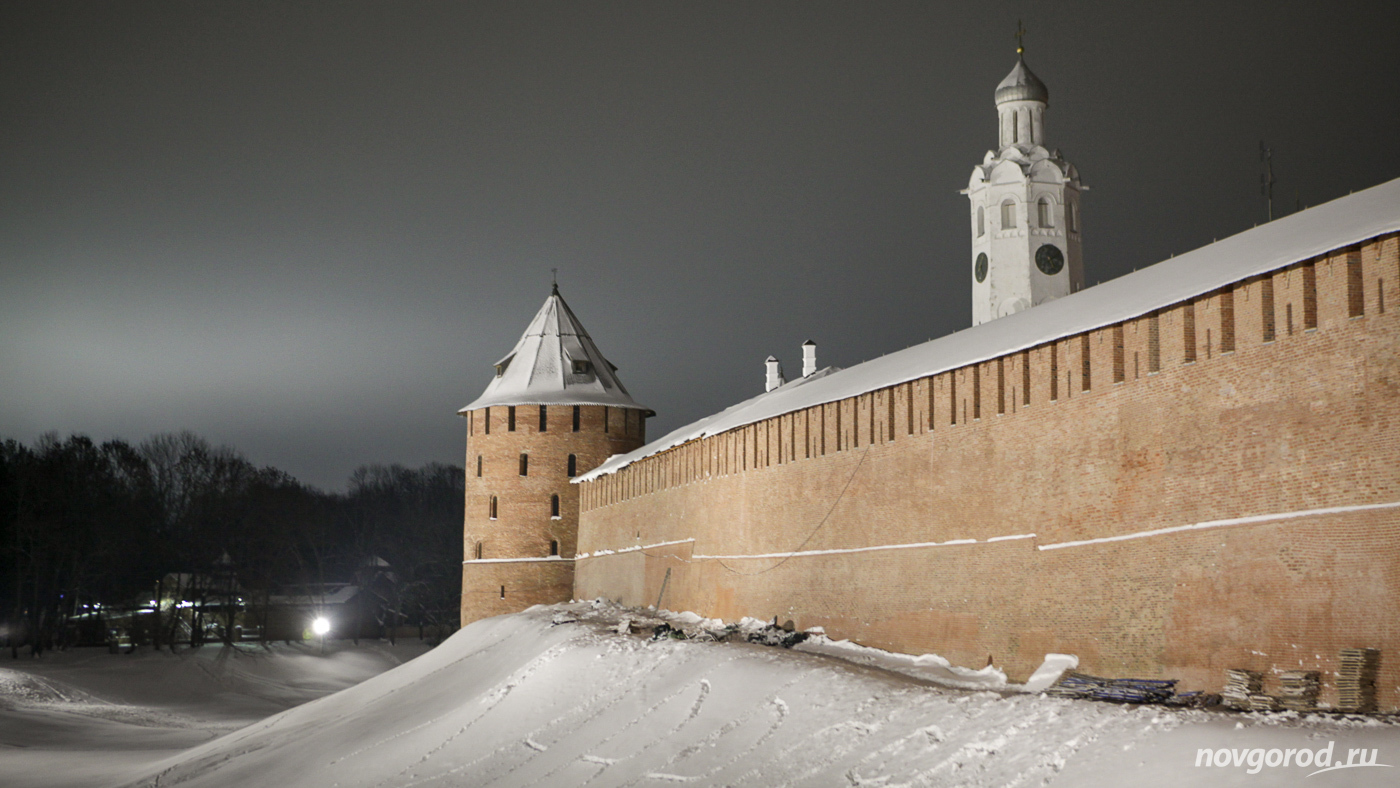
(519, 541)
(1256, 427)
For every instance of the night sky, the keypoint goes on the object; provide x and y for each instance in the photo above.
(307, 230)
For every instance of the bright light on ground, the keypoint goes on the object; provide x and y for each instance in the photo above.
(321, 626)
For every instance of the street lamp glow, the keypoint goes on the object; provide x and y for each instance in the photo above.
(321, 626)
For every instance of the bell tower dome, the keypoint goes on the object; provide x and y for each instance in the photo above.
(554, 409)
(1025, 208)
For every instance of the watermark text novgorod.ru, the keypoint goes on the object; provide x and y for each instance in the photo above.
(1323, 759)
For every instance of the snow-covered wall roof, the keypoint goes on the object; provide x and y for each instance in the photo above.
(555, 363)
(1283, 242)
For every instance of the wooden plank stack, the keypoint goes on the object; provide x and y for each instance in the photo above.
(1356, 679)
(1298, 689)
(1261, 702)
(1081, 685)
(1240, 686)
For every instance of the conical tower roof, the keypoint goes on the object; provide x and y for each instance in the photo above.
(555, 363)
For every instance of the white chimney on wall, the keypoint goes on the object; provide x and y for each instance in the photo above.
(809, 358)
(775, 374)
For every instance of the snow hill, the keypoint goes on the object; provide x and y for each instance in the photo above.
(566, 696)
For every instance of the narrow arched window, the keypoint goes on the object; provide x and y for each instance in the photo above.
(524, 465)
(478, 466)
(1015, 127)
(510, 419)
(1045, 216)
(981, 222)
(576, 418)
(544, 418)
(479, 550)
(573, 466)
(1008, 215)
(554, 547)
(1069, 216)
(493, 507)
(554, 506)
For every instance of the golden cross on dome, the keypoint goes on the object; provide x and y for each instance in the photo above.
(1020, 34)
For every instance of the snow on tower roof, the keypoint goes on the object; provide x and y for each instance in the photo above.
(1022, 85)
(555, 363)
(1280, 243)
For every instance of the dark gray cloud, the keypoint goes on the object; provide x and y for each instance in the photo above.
(308, 229)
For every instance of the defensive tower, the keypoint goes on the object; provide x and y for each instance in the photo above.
(554, 409)
(1025, 208)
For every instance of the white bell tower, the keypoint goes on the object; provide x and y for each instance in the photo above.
(1025, 208)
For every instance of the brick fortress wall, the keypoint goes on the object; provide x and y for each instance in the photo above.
(521, 552)
(1260, 423)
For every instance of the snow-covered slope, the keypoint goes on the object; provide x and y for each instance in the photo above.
(559, 697)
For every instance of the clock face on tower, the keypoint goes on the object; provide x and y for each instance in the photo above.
(1049, 259)
(980, 269)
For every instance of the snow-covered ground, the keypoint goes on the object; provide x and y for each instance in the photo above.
(85, 717)
(571, 695)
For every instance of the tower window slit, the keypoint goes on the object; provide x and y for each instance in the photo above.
(1119, 374)
(544, 418)
(977, 392)
(1188, 331)
(1227, 321)
(1025, 377)
(1084, 362)
(576, 418)
(953, 398)
(1309, 296)
(510, 419)
(1001, 385)
(554, 506)
(554, 547)
(478, 466)
(1154, 343)
(1054, 372)
(1356, 296)
(573, 466)
(870, 432)
(493, 507)
(524, 465)
(1266, 307)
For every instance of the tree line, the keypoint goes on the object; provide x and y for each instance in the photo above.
(88, 526)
